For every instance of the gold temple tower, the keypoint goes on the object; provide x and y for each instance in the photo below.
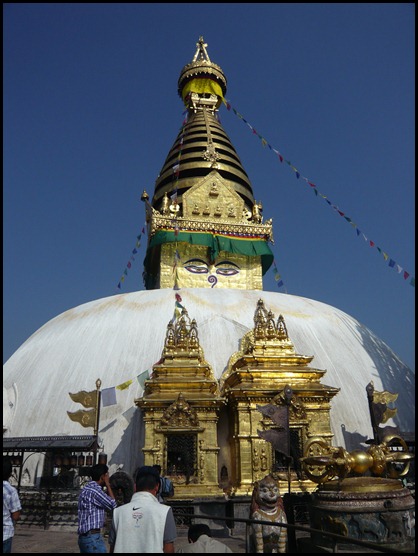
(205, 230)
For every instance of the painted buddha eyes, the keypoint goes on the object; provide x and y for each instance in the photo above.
(197, 266)
(223, 268)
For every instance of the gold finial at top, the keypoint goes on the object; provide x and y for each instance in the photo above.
(201, 51)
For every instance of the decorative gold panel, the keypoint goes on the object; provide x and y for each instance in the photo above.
(191, 268)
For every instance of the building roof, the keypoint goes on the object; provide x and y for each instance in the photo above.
(49, 443)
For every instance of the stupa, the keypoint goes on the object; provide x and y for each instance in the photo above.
(188, 361)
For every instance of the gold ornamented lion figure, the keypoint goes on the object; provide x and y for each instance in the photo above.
(267, 505)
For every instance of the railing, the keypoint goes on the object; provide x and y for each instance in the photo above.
(338, 539)
(55, 508)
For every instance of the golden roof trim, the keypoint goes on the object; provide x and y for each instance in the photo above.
(159, 222)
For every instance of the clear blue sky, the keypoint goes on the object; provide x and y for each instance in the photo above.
(91, 110)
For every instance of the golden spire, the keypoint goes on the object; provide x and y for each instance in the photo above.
(203, 203)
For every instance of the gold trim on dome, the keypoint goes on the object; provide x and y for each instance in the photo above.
(160, 222)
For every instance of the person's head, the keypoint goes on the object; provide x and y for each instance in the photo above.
(158, 468)
(7, 468)
(197, 530)
(147, 478)
(98, 470)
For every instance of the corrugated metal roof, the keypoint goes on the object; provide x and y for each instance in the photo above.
(48, 443)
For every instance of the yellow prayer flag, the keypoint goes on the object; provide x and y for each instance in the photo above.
(86, 418)
(124, 385)
(87, 399)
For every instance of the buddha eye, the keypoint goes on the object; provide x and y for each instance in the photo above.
(197, 266)
(196, 269)
(227, 268)
(227, 271)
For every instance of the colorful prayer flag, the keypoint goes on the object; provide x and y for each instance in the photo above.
(124, 385)
(108, 396)
(142, 378)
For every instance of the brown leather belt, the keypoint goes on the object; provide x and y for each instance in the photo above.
(91, 532)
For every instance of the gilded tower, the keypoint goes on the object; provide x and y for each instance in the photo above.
(203, 221)
(206, 230)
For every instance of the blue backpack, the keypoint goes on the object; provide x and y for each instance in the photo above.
(167, 487)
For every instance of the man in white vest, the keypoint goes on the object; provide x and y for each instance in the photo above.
(143, 525)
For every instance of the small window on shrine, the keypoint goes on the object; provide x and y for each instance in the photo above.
(182, 456)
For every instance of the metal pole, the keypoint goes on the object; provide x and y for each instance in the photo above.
(375, 425)
(96, 425)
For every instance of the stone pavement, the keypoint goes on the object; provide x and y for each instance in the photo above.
(57, 540)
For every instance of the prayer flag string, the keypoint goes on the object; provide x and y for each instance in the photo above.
(278, 278)
(392, 263)
(132, 258)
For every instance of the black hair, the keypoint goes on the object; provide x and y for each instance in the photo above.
(198, 529)
(98, 470)
(7, 468)
(146, 478)
(158, 468)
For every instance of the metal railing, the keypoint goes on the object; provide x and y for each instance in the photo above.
(337, 539)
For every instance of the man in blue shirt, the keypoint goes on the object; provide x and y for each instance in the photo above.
(92, 504)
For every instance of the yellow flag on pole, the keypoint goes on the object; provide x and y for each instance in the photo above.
(86, 418)
(87, 399)
(384, 397)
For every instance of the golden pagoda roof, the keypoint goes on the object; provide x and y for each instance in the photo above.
(202, 144)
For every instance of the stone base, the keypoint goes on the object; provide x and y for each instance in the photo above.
(369, 509)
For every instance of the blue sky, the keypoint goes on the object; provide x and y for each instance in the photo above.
(91, 110)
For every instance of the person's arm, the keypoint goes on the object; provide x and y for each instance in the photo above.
(108, 487)
(168, 547)
(15, 515)
(112, 536)
(105, 499)
(170, 532)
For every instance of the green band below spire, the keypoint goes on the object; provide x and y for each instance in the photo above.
(249, 246)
